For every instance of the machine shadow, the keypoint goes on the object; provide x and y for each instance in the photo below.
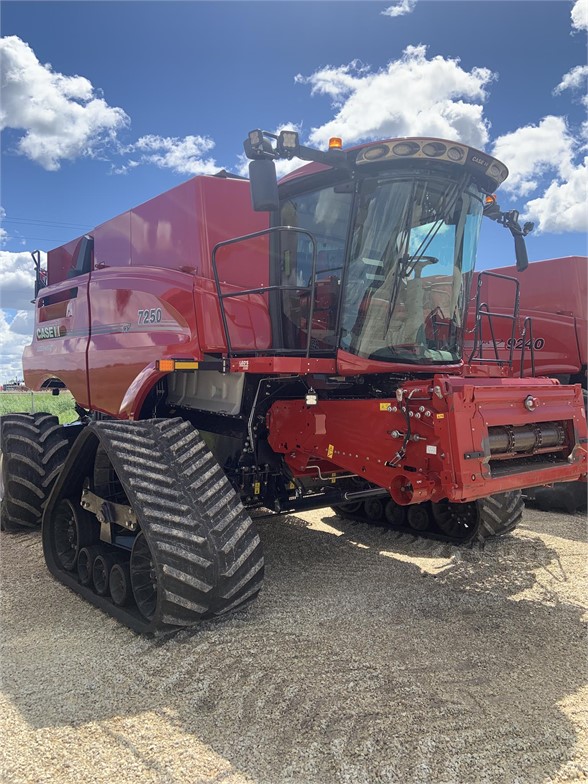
(352, 665)
(572, 526)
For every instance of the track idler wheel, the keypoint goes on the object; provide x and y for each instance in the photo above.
(458, 521)
(348, 510)
(143, 577)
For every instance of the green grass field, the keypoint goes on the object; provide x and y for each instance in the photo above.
(61, 405)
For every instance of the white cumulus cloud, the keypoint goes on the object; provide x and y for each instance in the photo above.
(400, 8)
(532, 151)
(12, 343)
(413, 95)
(60, 117)
(17, 278)
(183, 155)
(579, 15)
(575, 79)
(3, 233)
(17, 275)
(562, 207)
(547, 150)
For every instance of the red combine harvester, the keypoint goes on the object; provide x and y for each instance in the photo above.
(300, 354)
(554, 295)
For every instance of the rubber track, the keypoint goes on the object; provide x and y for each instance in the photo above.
(498, 515)
(34, 451)
(207, 554)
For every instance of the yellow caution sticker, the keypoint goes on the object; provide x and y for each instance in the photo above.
(330, 450)
(440, 416)
(385, 406)
(256, 488)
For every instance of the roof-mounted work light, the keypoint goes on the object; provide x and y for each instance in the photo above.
(289, 143)
(256, 138)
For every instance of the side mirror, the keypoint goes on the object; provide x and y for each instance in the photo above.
(521, 252)
(264, 186)
(510, 221)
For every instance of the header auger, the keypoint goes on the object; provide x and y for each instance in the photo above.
(290, 346)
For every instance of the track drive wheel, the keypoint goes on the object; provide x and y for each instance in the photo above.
(33, 453)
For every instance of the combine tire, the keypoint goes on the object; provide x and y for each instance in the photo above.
(500, 514)
(33, 452)
(195, 553)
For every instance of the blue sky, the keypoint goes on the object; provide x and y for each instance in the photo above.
(173, 87)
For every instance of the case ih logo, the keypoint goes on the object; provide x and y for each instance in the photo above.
(43, 333)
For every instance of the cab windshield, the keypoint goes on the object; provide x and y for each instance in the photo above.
(412, 252)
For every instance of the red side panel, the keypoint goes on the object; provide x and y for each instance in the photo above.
(112, 242)
(554, 293)
(139, 315)
(60, 339)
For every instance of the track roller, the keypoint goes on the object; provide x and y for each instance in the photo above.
(194, 552)
(475, 521)
(394, 513)
(86, 558)
(374, 509)
(418, 517)
(104, 562)
(119, 583)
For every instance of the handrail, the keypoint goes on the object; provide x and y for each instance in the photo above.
(528, 322)
(262, 289)
(482, 309)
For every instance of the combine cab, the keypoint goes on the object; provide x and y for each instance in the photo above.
(235, 345)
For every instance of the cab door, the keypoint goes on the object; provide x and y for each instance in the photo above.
(325, 215)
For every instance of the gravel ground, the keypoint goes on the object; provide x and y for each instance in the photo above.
(369, 657)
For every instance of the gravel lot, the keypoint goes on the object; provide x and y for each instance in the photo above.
(369, 657)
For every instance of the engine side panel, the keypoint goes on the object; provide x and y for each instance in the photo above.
(138, 316)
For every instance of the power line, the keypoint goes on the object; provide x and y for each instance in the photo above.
(41, 222)
(40, 239)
